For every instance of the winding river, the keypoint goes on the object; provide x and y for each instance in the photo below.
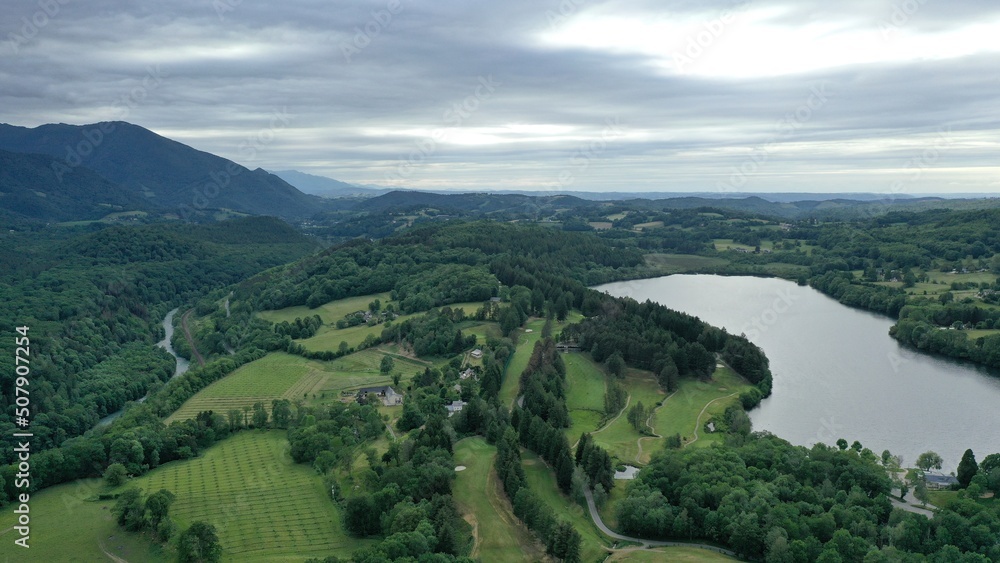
(181, 365)
(837, 372)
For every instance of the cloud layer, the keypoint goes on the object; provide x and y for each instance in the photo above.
(694, 96)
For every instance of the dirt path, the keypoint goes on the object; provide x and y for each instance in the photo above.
(608, 423)
(697, 424)
(110, 555)
(190, 340)
(652, 430)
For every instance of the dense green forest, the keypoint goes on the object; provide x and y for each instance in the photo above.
(94, 298)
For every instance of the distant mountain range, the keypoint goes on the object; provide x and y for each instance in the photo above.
(62, 172)
(326, 187)
(167, 176)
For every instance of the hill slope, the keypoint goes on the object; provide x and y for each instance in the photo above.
(323, 186)
(168, 174)
(30, 188)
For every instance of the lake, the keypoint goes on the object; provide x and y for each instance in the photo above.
(837, 372)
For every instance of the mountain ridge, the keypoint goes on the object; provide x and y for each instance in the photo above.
(167, 173)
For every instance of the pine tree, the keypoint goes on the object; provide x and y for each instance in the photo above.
(967, 468)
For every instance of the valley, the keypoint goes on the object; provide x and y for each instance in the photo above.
(455, 383)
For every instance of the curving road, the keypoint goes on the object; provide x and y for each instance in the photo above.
(596, 517)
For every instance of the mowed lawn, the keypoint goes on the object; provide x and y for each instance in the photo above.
(542, 482)
(499, 536)
(692, 406)
(263, 506)
(526, 344)
(680, 413)
(618, 437)
(285, 376)
(66, 527)
(585, 389)
(329, 337)
(330, 312)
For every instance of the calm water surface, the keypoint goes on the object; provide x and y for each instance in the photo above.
(837, 373)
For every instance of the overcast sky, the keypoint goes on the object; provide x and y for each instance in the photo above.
(898, 97)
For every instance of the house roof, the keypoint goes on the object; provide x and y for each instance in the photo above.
(941, 479)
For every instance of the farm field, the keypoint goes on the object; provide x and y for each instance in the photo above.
(722, 244)
(542, 482)
(329, 337)
(585, 389)
(68, 528)
(650, 225)
(680, 263)
(498, 535)
(974, 334)
(263, 505)
(330, 312)
(285, 376)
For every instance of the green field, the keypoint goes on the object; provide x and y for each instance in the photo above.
(330, 312)
(286, 376)
(66, 527)
(542, 482)
(585, 388)
(277, 375)
(525, 345)
(263, 505)
(329, 337)
(681, 263)
(650, 225)
(499, 536)
(618, 437)
(680, 413)
(974, 334)
(723, 244)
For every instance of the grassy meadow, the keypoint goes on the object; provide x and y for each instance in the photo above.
(542, 482)
(263, 505)
(585, 389)
(497, 533)
(330, 312)
(67, 527)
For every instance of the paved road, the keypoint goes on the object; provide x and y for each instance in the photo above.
(645, 543)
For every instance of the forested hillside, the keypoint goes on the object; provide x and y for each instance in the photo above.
(94, 299)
